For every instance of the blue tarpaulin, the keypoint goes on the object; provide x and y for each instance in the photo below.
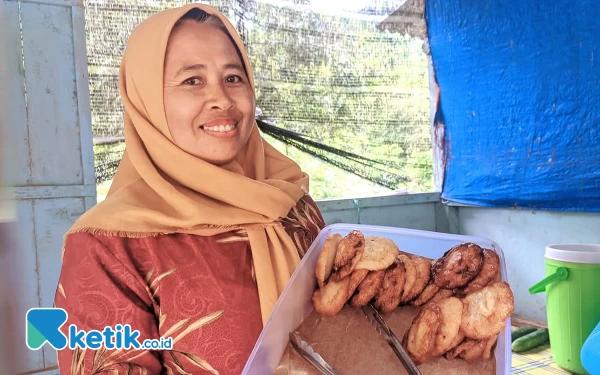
(519, 98)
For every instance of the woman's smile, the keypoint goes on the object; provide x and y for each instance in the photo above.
(221, 128)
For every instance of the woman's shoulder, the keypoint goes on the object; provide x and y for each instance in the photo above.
(88, 243)
(105, 248)
(80, 238)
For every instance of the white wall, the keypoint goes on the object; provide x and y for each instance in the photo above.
(46, 119)
(415, 211)
(523, 235)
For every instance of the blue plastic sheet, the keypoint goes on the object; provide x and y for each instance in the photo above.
(519, 99)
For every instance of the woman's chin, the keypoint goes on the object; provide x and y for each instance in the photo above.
(220, 159)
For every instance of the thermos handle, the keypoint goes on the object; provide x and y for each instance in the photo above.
(561, 274)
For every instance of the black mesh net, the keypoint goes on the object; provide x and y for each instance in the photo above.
(344, 92)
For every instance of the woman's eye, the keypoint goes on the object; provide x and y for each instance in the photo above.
(191, 81)
(234, 79)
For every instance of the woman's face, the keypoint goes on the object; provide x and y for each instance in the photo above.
(208, 100)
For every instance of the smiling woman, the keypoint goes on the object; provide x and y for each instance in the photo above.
(209, 102)
(204, 222)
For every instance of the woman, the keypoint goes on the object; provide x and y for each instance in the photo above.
(204, 222)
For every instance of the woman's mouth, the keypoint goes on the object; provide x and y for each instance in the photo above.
(219, 128)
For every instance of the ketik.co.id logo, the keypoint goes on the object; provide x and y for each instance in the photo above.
(43, 325)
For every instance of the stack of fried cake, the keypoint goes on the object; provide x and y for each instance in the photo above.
(462, 303)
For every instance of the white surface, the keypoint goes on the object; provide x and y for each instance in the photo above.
(295, 304)
(574, 253)
(524, 235)
(52, 112)
(414, 211)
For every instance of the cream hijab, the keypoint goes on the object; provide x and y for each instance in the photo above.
(161, 189)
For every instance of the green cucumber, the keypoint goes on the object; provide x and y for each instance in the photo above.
(519, 332)
(531, 340)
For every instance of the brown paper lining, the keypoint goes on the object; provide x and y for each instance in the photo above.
(350, 344)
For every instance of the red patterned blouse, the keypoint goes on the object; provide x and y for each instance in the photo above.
(200, 291)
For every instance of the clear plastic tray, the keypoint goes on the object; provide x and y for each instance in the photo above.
(295, 304)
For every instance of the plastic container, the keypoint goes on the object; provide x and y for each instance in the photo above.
(572, 287)
(295, 304)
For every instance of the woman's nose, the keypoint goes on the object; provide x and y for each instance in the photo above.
(220, 98)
